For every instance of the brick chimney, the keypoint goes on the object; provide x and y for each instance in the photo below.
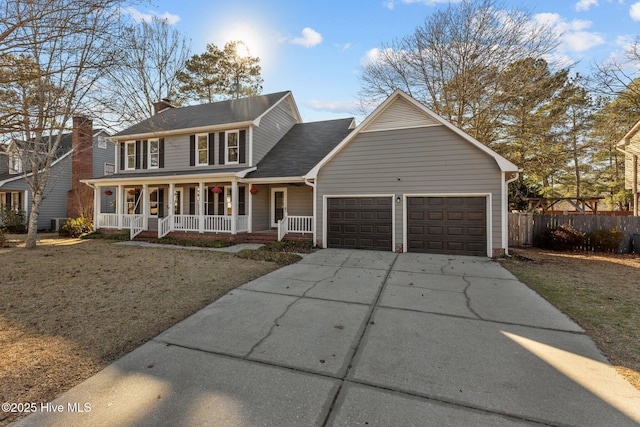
(80, 198)
(162, 105)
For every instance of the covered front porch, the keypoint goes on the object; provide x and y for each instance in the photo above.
(216, 206)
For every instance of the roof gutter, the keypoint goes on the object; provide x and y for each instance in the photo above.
(163, 133)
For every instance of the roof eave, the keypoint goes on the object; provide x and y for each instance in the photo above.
(181, 131)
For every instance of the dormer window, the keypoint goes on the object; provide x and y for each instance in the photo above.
(15, 164)
(232, 138)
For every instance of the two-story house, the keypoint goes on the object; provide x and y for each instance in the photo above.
(630, 146)
(403, 180)
(82, 154)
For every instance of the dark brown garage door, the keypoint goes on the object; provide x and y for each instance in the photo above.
(447, 225)
(359, 223)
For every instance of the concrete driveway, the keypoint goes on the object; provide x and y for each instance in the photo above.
(363, 338)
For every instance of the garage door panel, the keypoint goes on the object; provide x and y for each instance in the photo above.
(449, 225)
(359, 222)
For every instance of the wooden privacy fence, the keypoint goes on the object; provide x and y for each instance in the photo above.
(525, 227)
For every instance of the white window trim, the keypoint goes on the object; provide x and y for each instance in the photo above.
(126, 155)
(226, 147)
(206, 163)
(15, 164)
(156, 140)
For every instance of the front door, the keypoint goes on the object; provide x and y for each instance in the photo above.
(278, 205)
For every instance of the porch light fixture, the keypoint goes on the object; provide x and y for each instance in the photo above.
(398, 199)
(108, 192)
(253, 190)
(216, 190)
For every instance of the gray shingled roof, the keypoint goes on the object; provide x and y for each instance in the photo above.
(216, 113)
(302, 148)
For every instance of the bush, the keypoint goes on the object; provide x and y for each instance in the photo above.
(193, 242)
(605, 240)
(563, 238)
(13, 221)
(75, 227)
(96, 235)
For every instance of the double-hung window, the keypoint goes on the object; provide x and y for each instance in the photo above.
(232, 138)
(202, 148)
(15, 163)
(154, 153)
(130, 161)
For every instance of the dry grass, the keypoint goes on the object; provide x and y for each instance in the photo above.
(70, 307)
(601, 292)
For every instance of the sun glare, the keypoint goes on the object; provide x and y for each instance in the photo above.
(249, 35)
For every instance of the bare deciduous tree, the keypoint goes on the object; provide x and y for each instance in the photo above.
(453, 62)
(152, 55)
(53, 53)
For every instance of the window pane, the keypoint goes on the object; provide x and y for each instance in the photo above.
(131, 149)
(232, 139)
(233, 154)
(203, 142)
(203, 157)
(154, 146)
(131, 162)
(154, 160)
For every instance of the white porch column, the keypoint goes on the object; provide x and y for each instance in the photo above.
(120, 210)
(250, 209)
(201, 207)
(97, 206)
(145, 204)
(171, 199)
(234, 206)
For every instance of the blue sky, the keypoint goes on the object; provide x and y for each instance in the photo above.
(316, 48)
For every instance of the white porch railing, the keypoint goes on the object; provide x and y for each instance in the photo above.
(107, 220)
(212, 223)
(164, 226)
(110, 220)
(294, 224)
(243, 223)
(217, 223)
(137, 226)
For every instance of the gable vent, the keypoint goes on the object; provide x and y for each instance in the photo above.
(400, 114)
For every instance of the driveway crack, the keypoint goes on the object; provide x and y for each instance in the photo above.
(275, 324)
(468, 298)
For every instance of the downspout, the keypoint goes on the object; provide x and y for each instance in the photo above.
(313, 188)
(505, 208)
(634, 186)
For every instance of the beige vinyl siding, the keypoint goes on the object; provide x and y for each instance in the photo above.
(427, 160)
(400, 114)
(272, 128)
(260, 208)
(633, 148)
(299, 200)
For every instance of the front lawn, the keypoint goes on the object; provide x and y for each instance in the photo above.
(600, 292)
(70, 307)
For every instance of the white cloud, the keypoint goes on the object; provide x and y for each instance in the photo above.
(634, 11)
(391, 4)
(572, 34)
(343, 47)
(309, 38)
(138, 16)
(332, 106)
(585, 4)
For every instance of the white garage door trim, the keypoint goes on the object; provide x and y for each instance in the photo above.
(346, 196)
(405, 243)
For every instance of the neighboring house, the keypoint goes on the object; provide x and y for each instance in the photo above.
(403, 180)
(630, 146)
(83, 154)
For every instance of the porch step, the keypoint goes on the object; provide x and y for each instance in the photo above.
(261, 238)
(146, 236)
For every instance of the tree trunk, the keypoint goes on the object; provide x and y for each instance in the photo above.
(32, 231)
